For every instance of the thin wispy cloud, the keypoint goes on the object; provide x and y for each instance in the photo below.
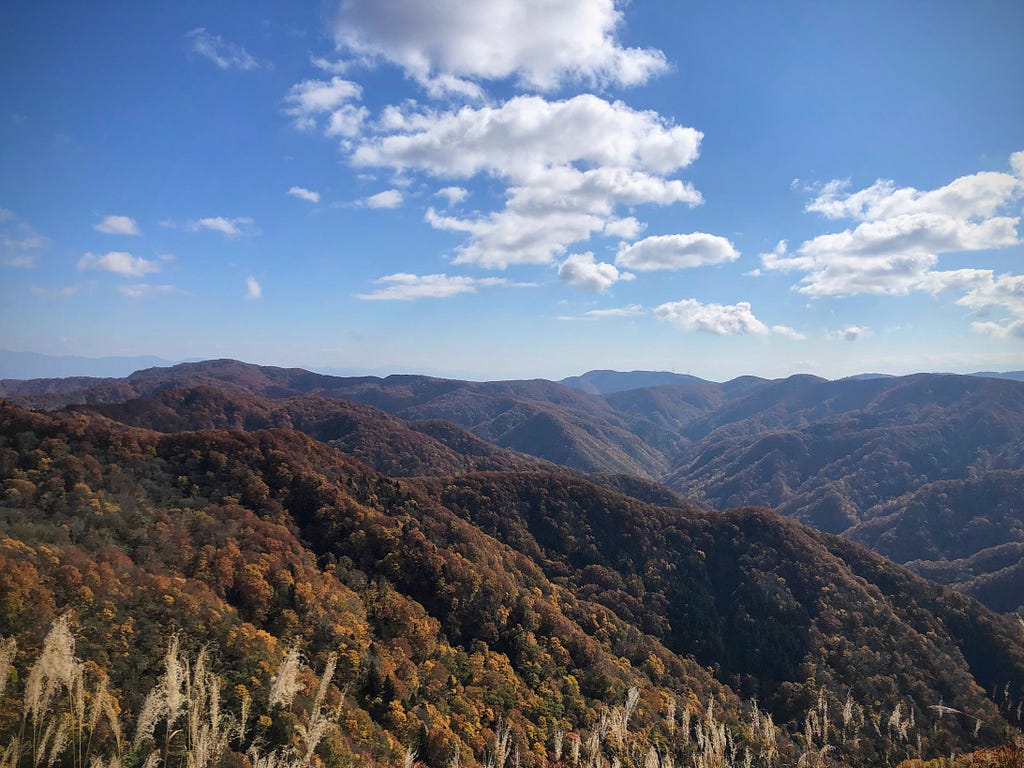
(253, 290)
(20, 243)
(144, 290)
(119, 262)
(391, 198)
(452, 195)
(241, 226)
(850, 333)
(407, 287)
(224, 54)
(305, 194)
(631, 311)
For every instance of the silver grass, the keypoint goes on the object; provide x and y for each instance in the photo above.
(285, 684)
(8, 650)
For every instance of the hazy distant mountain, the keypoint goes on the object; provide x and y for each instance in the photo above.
(1014, 375)
(31, 365)
(604, 382)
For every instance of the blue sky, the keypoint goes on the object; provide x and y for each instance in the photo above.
(516, 189)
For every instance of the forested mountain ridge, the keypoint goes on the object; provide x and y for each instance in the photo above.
(833, 454)
(454, 601)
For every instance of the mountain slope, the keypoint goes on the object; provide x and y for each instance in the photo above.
(382, 441)
(257, 538)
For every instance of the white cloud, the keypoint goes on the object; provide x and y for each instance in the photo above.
(390, 198)
(627, 228)
(528, 133)
(142, 290)
(312, 99)
(850, 333)
(406, 287)
(252, 288)
(453, 195)
(676, 252)
(338, 67)
(535, 147)
(118, 262)
(510, 237)
(242, 226)
(721, 319)
(888, 256)
(582, 271)
(1017, 164)
(789, 333)
(985, 295)
(630, 311)
(222, 53)
(444, 44)
(305, 194)
(1012, 329)
(901, 234)
(979, 195)
(118, 225)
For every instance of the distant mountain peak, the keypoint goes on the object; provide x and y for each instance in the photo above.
(605, 382)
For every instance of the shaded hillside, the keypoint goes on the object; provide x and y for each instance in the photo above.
(258, 539)
(382, 441)
(759, 598)
(967, 533)
(828, 452)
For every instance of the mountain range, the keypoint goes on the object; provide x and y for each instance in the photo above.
(478, 548)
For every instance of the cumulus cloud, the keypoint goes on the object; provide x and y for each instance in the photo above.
(447, 44)
(305, 194)
(626, 228)
(722, 319)
(118, 225)
(527, 133)
(222, 53)
(253, 290)
(985, 295)
(311, 100)
(979, 195)
(568, 166)
(242, 226)
(391, 198)
(407, 287)
(580, 270)
(850, 333)
(454, 195)
(119, 262)
(676, 252)
(901, 234)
